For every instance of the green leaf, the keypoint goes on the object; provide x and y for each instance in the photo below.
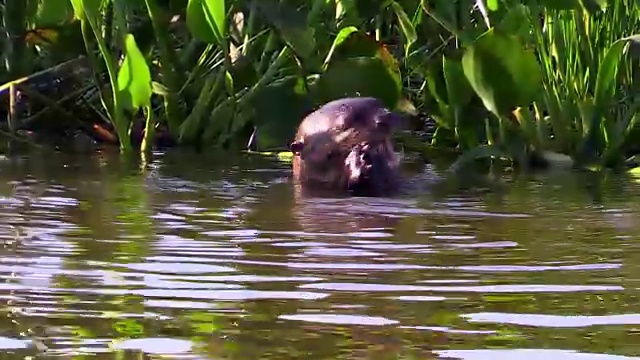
(291, 25)
(347, 13)
(502, 72)
(216, 15)
(365, 76)
(437, 92)
(134, 77)
(459, 92)
(206, 20)
(408, 31)
(53, 12)
(87, 9)
(343, 34)
(78, 10)
(606, 80)
(159, 89)
(277, 127)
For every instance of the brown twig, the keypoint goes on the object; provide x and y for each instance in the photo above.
(32, 118)
(49, 102)
(21, 80)
(103, 133)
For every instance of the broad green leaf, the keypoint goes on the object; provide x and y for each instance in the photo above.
(216, 14)
(517, 22)
(459, 92)
(365, 76)
(276, 127)
(502, 72)
(204, 20)
(358, 45)
(134, 77)
(492, 5)
(53, 12)
(459, 95)
(291, 25)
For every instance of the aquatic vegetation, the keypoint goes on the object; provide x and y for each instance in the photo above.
(517, 82)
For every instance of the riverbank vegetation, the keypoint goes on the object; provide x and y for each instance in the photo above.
(514, 81)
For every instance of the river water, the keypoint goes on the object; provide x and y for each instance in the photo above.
(205, 257)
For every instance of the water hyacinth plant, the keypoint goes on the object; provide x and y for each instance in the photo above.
(506, 80)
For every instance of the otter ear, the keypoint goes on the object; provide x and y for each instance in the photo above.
(296, 147)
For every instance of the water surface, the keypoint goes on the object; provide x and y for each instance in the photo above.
(200, 258)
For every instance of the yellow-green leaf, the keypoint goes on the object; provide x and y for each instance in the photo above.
(206, 20)
(134, 77)
(215, 12)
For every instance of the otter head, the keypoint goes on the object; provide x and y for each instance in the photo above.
(346, 146)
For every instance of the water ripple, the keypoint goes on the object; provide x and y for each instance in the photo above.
(186, 260)
(541, 320)
(527, 354)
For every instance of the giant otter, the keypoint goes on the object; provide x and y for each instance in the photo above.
(345, 146)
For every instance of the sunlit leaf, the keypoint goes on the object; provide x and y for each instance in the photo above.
(134, 77)
(86, 9)
(206, 20)
(215, 13)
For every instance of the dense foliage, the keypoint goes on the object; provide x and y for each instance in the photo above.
(502, 79)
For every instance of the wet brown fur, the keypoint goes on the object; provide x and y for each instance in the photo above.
(327, 136)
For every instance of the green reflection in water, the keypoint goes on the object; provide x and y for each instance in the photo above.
(220, 252)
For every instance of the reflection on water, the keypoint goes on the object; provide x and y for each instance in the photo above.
(212, 259)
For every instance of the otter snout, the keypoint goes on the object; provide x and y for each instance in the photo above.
(358, 164)
(369, 169)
